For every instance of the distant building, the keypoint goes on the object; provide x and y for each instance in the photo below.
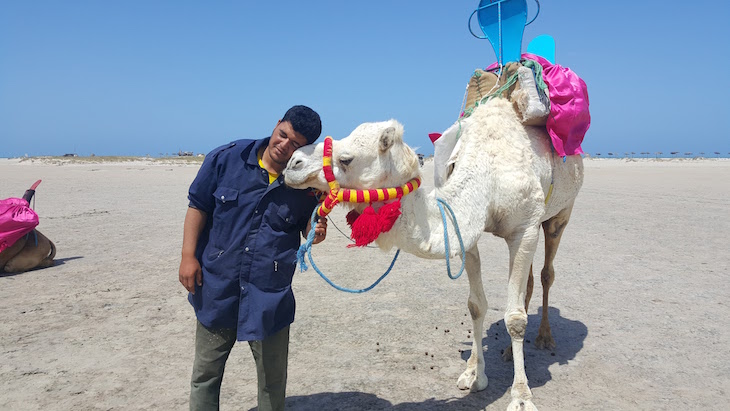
(185, 153)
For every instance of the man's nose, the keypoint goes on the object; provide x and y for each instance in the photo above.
(290, 147)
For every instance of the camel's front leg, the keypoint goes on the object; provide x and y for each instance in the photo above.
(522, 249)
(474, 377)
(507, 354)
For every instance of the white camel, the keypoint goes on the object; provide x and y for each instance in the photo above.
(498, 184)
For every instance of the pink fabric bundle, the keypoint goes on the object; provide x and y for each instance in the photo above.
(16, 220)
(569, 116)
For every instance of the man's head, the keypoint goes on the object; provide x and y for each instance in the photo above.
(300, 126)
(305, 121)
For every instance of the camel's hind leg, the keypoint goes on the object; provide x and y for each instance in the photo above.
(553, 229)
(474, 378)
(38, 252)
(10, 252)
(522, 247)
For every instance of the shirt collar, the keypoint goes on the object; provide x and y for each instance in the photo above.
(253, 158)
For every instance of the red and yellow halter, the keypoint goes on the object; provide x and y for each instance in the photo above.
(338, 194)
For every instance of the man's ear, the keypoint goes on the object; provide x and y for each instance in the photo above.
(387, 139)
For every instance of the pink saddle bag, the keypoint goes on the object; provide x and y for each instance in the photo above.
(16, 220)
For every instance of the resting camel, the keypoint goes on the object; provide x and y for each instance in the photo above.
(499, 184)
(33, 250)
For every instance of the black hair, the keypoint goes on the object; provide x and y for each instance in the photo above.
(304, 121)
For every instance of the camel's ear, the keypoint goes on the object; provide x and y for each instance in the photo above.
(387, 139)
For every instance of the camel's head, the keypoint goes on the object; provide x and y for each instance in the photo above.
(372, 156)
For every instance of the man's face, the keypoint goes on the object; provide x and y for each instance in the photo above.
(284, 141)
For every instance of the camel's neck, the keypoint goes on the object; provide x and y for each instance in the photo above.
(420, 230)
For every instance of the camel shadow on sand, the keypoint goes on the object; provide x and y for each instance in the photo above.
(568, 334)
(56, 262)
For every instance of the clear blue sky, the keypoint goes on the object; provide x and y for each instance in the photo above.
(151, 77)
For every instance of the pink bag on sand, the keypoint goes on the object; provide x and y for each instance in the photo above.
(16, 220)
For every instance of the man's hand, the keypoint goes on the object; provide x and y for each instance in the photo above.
(320, 230)
(190, 273)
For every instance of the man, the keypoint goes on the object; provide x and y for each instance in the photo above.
(242, 230)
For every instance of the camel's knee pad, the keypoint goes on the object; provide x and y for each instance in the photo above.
(516, 322)
(547, 276)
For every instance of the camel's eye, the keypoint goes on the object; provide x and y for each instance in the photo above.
(345, 160)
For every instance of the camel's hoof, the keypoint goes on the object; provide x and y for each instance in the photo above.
(545, 342)
(521, 405)
(507, 354)
(471, 380)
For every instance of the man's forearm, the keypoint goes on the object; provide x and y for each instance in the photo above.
(195, 221)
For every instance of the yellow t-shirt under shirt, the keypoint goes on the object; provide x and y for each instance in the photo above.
(272, 176)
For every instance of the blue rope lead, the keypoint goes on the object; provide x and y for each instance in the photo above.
(441, 203)
(307, 248)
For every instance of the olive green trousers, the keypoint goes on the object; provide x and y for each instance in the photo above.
(212, 347)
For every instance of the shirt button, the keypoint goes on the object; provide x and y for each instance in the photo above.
(246, 248)
(243, 288)
(256, 212)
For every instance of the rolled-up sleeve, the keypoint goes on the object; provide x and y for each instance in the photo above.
(205, 183)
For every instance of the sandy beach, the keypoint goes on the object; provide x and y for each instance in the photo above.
(639, 308)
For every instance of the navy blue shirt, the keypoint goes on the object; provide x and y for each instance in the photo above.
(247, 250)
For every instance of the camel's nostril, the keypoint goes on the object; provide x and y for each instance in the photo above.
(297, 164)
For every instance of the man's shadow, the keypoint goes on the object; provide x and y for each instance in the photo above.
(568, 334)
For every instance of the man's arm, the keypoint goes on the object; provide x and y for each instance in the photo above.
(190, 272)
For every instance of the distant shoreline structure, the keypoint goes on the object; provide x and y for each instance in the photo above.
(70, 159)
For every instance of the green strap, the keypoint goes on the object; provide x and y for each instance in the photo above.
(509, 83)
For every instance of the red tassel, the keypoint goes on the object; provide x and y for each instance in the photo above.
(388, 214)
(351, 217)
(366, 228)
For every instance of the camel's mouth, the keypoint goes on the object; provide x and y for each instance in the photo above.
(304, 171)
(296, 181)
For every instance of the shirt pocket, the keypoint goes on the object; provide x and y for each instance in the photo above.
(224, 216)
(283, 220)
(226, 196)
(278, 275)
